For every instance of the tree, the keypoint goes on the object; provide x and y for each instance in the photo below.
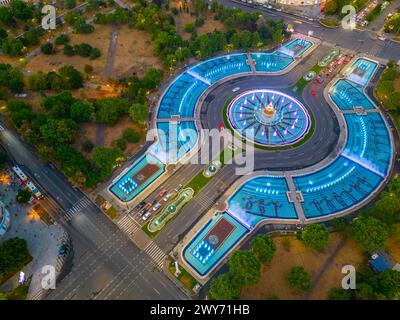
(244, 268)
(224, 288)
(14, 254)
(95, 53)
(365, 292)
(38, 81)
(13, 47)
(393, 101)
(31, 37)
(263, 247)
(389, 283)
(331, 7)
(105, 159)
(370, 233)
(61, 39)
(69, 50)
(70, 4)
(130, 135)
(120, 144)
(87, 145)
(299, 279)
(109, 110)
(88, 69)
(82, 110)
(19, 112)
(70, 77)
(84, 49)
(11, 78)
(315, 236)
(340, 224)
(23, 196)
(59, 132)
(339, 294)
(138, 113)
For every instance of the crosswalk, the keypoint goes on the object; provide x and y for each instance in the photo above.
(127, 225)
(78, 206)
(156, 254)
(37, 296)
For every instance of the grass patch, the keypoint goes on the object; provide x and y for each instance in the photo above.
(19, 293)
(329, 23)
(184, 277)
(150, 234)
(198, 182)
(99, 200)
(112, 212)
(4, 277)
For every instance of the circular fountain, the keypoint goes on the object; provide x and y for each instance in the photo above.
(268, 117)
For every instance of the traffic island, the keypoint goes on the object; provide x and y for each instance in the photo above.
(174, 207)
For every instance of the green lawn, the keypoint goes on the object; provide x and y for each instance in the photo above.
(184, 277)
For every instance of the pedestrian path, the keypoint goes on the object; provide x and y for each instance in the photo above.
(127, 225)
(156, 254)
(76, 208)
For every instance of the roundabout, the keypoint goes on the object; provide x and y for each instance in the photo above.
(320, 156)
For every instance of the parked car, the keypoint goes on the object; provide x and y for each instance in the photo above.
(140, 205)
(143, 211)
(179, 187)
(167, 196)
(156, 206)
(146, 216)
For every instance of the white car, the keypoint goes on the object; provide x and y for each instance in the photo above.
(156, 206)
(146, 216)
(166, 198)
(236, 89)
(278, 9)
(269, 6)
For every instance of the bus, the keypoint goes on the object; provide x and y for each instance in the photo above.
(21, 175)
(35, 191)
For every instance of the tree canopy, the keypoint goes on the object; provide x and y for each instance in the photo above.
(244, 268)
(315, 236)
(370, 233)
(299, 279)
(263, 247)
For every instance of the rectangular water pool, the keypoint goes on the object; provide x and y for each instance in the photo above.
(142, 173)
(213, 242)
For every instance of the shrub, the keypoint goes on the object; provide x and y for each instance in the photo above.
(299, 279)
(87, 145)
(47, 48)
(130, 135)
(61, 39)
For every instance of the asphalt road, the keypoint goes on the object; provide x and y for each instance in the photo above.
(106, 264)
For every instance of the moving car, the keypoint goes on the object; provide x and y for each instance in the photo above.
(235, 89)
(179, 187)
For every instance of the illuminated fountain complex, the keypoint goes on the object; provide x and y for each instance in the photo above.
(268, 117)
